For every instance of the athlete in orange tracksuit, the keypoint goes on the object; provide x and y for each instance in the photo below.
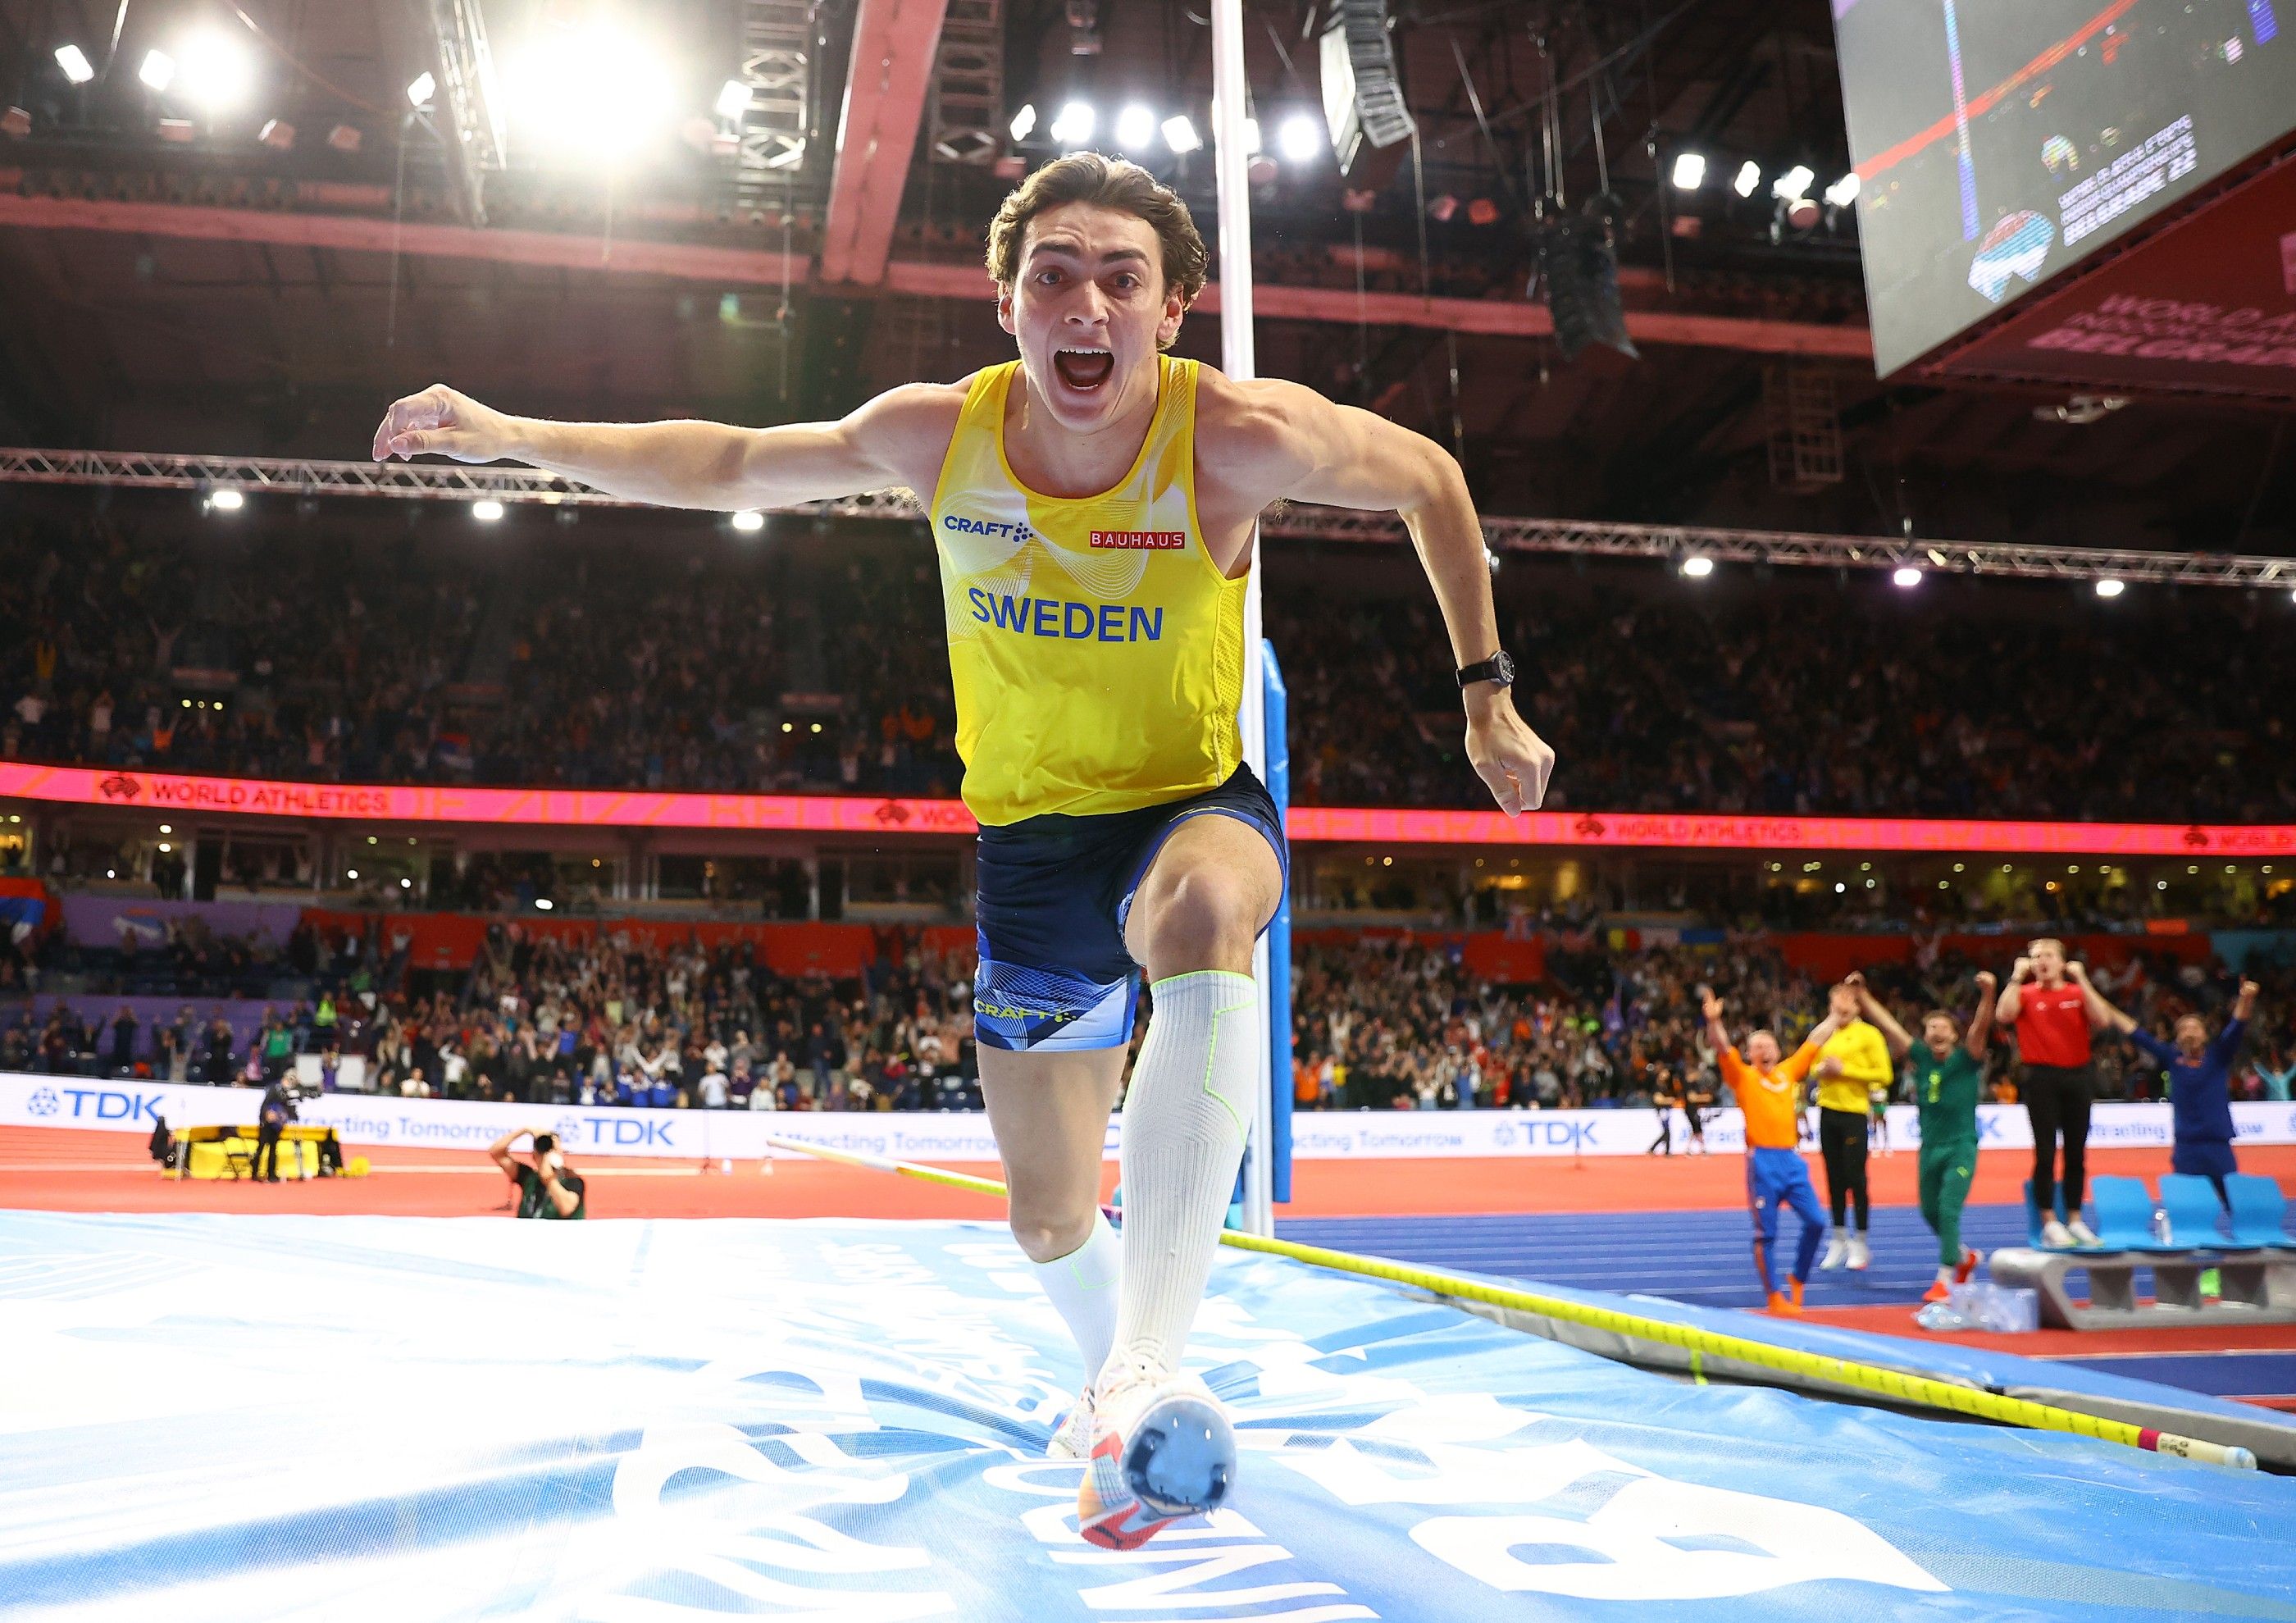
(1769, 1094)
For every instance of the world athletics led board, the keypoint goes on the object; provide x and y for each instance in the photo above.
(189, 797)
(1998, 143)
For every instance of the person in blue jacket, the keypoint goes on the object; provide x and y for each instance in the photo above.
(2200, 1083)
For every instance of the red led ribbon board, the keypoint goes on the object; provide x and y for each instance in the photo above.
(164, 792)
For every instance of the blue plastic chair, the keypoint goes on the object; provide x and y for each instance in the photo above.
(2258, 1210)
(2195, 1212)
(2124, 1214)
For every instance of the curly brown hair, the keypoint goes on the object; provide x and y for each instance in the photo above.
(1106, 183)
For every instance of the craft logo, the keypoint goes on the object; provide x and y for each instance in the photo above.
(44, 1101)
(1140, 540)
(119, 786)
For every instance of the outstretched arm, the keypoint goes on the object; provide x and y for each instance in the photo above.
(898, 438)
(1879, 1018)
(1980, 1018)
(1717, 1034)
(1276, 441)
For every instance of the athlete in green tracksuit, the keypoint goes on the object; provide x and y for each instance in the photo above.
(1948, 1070)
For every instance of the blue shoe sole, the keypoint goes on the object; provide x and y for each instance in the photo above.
(1180, 1460)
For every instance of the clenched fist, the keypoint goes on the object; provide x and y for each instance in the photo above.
(1512, 761)
(447, 422)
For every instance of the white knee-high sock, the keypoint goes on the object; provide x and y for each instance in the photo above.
(1082, 1286)
(1183, 1134)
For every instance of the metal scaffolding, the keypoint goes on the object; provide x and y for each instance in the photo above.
(965, 113)
(1674, 543)
(770, 135)
(473, 123)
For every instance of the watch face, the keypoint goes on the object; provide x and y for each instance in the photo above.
(1503, 668)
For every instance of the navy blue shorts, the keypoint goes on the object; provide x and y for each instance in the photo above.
(1053, 893)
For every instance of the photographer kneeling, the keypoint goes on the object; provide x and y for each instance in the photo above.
(547, 1187)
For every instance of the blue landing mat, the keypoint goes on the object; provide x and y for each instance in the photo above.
(209, 1417)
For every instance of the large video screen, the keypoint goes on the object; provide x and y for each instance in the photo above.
(1997, 142)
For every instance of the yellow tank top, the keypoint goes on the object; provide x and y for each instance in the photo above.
(1095, 649)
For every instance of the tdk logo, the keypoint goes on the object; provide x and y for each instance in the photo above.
(97, 1104)
(621, 1131)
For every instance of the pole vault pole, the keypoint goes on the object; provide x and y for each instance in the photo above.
(1230, 154)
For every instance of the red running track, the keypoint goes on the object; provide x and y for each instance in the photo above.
(72, 1170)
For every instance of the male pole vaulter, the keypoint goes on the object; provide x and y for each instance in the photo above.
(1093, 505)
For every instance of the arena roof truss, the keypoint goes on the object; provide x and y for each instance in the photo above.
(1676, 543)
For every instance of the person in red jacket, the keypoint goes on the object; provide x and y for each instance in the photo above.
(2049, 1002)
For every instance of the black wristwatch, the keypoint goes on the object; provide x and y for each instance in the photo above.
(1499, 668)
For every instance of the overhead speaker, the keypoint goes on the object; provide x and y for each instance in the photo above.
(1363, 98)
(1580, 268)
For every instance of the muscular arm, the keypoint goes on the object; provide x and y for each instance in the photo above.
(1268, 440)
(1980, 1018)
(898, 438)
(1893, 1035)
(500, 1150)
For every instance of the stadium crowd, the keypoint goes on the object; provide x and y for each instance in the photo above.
(817, 666)
(1382, 1022)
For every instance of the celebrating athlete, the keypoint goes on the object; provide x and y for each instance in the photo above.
(1769, 1099)
(1948, 1074)
(1093, 504)
(2048, 1002)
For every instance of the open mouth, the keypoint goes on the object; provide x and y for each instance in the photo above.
(1083, 369)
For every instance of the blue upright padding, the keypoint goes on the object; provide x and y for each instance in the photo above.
(2194, 1210)
(2033, 1217)
(2258, 1210)
(2124, 1214)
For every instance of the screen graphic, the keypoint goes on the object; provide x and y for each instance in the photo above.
(1998, 142)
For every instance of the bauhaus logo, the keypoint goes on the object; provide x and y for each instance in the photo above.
(1139, 540)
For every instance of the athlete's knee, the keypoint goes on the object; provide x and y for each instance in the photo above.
(1199, 917)
(1046, 1233)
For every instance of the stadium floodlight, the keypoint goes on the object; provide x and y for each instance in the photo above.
(750, 521)
(1689, 171)
(157, 72)
(1698, 566)
(2110, 586)
(74, 62)
(1075, 124)
(218, 71)
(1302, 139)
(1842, 192)
(1252, 137)
(1180, 135)
(226, 501)
(421, 88)
(1136, 127)
(543, 904)
(1749, 176)
(488, 511)
(595, 92)
(732, 99)
(1024, 120)
(1908, 577)
(1793, 186)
